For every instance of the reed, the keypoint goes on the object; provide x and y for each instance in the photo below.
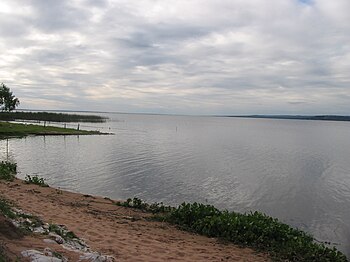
(50, 117)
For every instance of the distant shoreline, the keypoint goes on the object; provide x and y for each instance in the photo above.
(290, 117)
(299, 117)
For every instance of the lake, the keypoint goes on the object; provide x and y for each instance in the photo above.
(295, 170)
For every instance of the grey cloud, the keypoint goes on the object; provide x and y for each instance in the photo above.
(51, 15)
(181, 57)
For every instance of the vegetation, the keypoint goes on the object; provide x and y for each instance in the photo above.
(20, 130)
(62, 231)
(3, 257)
(255, 230)
(301, 117)
(5, 209)
(140, 204)
(8, 101)
(8, 170)
(50, 117)
(36, 180)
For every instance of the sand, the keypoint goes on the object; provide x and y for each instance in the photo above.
(124, 233)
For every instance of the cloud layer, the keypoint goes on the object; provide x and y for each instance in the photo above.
(187, 57)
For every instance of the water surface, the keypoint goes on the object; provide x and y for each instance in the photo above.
(298, 171)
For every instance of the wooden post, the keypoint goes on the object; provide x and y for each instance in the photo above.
(78, 127)
(7, 149)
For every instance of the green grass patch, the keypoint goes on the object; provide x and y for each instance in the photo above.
(36, 180)
(20, 130)
(5, 209)
(50, 117)
(63, 232)
(8, 170)
(3, 256)
(254, 229)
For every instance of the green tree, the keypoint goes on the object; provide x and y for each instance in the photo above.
(8, 101)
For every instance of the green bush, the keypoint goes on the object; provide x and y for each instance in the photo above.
(35, 180)
(256, 230)
(8, 170)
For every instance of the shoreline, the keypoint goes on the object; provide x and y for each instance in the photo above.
(124, 233)
(15, 130)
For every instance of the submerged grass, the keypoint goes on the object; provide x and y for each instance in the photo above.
(50, 116)
(255, 230)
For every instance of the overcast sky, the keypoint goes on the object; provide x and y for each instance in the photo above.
(180, 57)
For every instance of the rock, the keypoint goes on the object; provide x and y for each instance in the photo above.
(39, 230)
(49, 241)
(48, 252)
(57, 238)
(96, 257)
(77, 244)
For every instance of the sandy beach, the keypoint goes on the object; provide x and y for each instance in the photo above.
(122, 233)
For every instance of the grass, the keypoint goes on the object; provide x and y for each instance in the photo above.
(61, 231)
(50, 117)
(20, 130)
(35, 180)
(255, 230)
(8, 170)
(5, 209)
(3, 255)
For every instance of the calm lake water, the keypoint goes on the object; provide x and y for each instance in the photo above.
(297, 171)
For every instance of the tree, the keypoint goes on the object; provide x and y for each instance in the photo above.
(8, 101)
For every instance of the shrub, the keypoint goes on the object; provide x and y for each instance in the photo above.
(8, 170)
(35, 180)
(256, 230)
(5, 209)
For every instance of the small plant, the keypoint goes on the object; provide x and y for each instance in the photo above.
(6, 209)
(28, 222)
(8, 170)
(3, 257)
(58, 255)
(36, 180)
(134, 203)
(140, 204)
(62, 231)
(160, 208)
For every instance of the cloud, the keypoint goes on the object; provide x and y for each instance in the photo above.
(188, 57)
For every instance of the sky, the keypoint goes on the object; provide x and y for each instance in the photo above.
(230, 57)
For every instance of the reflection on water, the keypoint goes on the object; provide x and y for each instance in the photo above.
(298, 171)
